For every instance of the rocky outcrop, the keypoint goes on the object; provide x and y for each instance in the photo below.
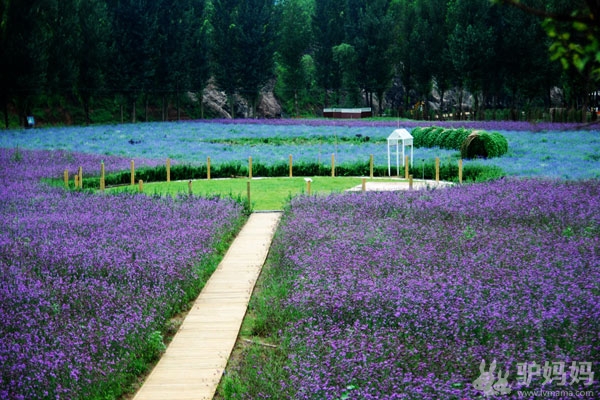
(268, 106)
(216, 105)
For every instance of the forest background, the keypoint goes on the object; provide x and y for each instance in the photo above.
(98, 61)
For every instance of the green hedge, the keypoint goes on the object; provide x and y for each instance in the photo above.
(471, 143)
(448, 172)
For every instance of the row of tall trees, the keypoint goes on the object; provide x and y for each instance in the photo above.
(320, 53)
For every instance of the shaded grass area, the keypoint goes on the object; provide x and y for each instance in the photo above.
(265, 194)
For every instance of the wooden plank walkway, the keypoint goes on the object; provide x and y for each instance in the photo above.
(194, 361)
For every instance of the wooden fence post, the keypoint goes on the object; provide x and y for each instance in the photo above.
(410, 182)
(190, 188)
(333, 165)
(248, 193)
(66, 178)
(168, 170)
(132, 173)
(364, 185)
(250, 167)
(291, 163)
(76, 181)
(80, 173)
(141, 186)
(460, 171)
(208, 168)
(371, 166)
(102, 182)
(437, 169)
(308, 181)
(406, 167)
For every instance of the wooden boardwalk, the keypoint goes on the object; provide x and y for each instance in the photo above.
(194, 361)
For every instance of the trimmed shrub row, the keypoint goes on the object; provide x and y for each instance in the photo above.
(470, 143)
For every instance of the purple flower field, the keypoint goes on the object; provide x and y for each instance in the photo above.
(403, 295)
(396, 295)
(87, 281)
(567, 151)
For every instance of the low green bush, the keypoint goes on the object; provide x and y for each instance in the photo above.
(471, 143)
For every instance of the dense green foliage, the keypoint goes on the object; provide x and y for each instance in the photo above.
(471, 143)
(104, 60)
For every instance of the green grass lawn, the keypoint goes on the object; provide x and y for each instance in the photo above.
(265, 193)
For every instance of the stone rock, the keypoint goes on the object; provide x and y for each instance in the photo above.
(216, 104)
(268, 106)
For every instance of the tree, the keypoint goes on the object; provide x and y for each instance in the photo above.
(293, 43)
(328, 31)
(523, 57)
(24, 53)
(243, 35)
(183, 64)
(472, 47)
(575, 34)
(255, 47)
(135, 47)
(345, 57)
(92, 51)
(224, 40)
(373, 43)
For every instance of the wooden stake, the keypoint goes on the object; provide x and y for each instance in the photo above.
(132, 173)
(406, 167)
(141, 186)
(102, 183)
(410, 182)
(364, 184)
(80, 173)
(308, 186)
(248, 191)
(66, 177)
(333, 165)
(371, 166)
(460, 171)
(291, 163)
(190, 188)
(249, 167)
(76, 180)
(208, 168)
(437, 169)
(168, 170)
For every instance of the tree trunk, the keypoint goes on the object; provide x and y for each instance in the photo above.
(380, 98)
(133, 112)
(441, 113)
(231, 106)
(460, 101)
(178, 107)
(201, 104)
(86, 110)
(5, 105)
(296, 111)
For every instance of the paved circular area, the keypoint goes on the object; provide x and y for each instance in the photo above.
(374, 186)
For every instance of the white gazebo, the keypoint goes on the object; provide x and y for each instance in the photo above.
(399, 137)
